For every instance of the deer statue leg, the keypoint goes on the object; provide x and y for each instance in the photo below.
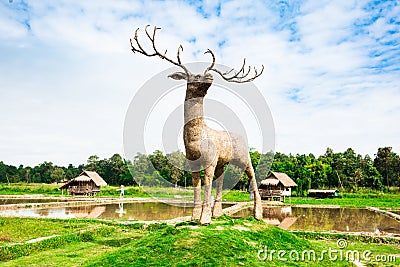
(219, 174)
(258, 209)
(197, 196)
(206, 212)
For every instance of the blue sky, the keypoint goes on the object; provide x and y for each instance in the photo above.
(332, 70)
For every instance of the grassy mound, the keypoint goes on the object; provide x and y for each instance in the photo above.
(226, 242)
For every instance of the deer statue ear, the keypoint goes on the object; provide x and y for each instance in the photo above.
(178, 76)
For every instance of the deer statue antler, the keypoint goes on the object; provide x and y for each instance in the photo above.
(237, 77)
(156, 52)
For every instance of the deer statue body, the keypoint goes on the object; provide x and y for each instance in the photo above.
(208, 149)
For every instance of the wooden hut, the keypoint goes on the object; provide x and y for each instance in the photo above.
(276, 186)
(87, 183)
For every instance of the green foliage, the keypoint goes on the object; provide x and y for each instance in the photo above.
(345, 170)
(388, 165)
(57, 174)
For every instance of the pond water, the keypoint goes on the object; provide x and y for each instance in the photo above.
(327, 219)
(6, 201)
(291, 218)
(128, 211)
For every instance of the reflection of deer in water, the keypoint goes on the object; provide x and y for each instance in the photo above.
(207, 148)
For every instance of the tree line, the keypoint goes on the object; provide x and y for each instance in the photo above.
(346, 170)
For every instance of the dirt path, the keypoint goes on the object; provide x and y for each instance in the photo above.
(388, 213)
(358, 264)
(40, 239)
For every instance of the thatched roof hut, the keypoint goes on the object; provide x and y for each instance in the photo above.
(274, 178)
(87, 183)
(276, 184)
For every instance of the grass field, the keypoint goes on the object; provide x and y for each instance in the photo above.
(384, 200)
(227, 242)
(52, 190)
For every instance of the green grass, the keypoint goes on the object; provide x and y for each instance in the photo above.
(226, 242)
(349, 237)
(100, 238)
(168, 192)
(32, 188)
(236, 195)
(13, 230)
(52, 190)
(73, 254)
(375, 255)
(130, 191)
(384, 200)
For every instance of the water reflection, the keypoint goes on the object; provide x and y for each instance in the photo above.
(120, 210)
(91, 212)
(131, 211)
(292, 218)
(146, 211)
(278, 216)
(328, 219)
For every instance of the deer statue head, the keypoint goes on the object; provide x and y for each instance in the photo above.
(201, 82)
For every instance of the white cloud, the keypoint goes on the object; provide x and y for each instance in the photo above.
(11, 27)
(67, 76)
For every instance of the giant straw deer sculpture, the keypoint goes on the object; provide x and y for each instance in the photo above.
(205, 147)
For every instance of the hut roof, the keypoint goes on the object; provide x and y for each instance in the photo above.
(95, 177)
(87, 176)
(282, 177)
(82, 178)
(270, 181)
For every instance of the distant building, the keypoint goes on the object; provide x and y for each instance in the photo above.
(276, 186)
(87, 183)
(323, 193)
